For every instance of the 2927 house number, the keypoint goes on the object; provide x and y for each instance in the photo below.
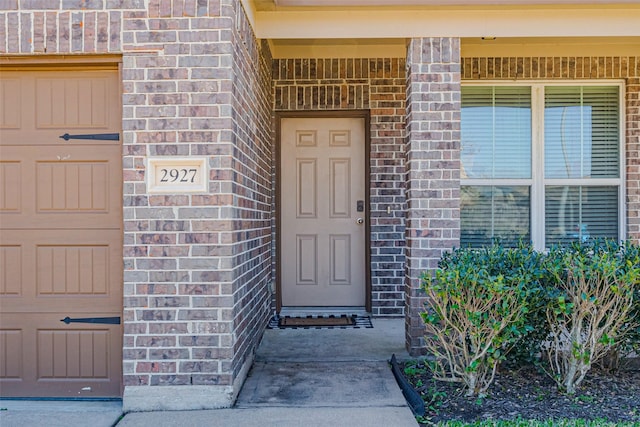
(177, 175)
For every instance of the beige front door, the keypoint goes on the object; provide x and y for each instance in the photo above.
(323, 204)
(60, 234)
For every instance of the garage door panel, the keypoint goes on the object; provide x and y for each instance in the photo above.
(55, 270)
(11, 274)
(72, 187)
(69, 187)
(18, 274)
(71, 103)
(10, 103)
(72, 269)
(10, 185)
(75, 360)
(73, 354)
(11, 355)
(37, 107)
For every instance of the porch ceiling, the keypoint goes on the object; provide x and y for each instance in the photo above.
(470, 47)
(265, 5)
(401, 19)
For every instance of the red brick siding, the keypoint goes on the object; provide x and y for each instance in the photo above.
(251, 166)
(69, 26)
(432, 147)
(633, 153)
(179, 279)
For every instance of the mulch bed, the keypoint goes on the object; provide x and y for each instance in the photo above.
(529, 393)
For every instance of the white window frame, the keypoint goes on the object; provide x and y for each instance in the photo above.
(537, 182)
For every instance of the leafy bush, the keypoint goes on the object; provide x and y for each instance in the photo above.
(589, 311)
(630, 254)
(538, 283)
(476, 311)
(488, 305)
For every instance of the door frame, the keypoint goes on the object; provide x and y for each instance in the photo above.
(358, 114)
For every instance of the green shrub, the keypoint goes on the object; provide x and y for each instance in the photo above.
(530, 265)
(589, 308)
(476, 311)
(630, 254)
(574, 304)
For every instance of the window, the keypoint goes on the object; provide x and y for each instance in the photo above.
(540, 163)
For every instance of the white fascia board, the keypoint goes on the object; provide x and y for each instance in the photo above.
(343, 3)
(250, 10)
(404, 23)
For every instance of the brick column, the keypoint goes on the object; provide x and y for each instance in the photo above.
(432, 150)
(632, 97)
(196, 82)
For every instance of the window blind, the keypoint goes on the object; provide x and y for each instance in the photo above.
(580, 143)
(581, 132)
(496, 132)
(494, 213)
(580, 213)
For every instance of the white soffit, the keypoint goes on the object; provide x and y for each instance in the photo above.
(461, 22)
(347, 3)
(470, 47)
(360, 3)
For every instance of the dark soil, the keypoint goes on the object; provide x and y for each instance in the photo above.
(529, 393)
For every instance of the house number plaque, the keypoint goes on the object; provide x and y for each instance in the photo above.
(177, 175)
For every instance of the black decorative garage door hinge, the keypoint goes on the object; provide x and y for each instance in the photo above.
(94, 136)
(102, 320)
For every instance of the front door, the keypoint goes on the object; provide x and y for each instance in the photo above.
(60, 233)
(323, 202)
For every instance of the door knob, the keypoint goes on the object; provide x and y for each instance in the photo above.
(360, 221)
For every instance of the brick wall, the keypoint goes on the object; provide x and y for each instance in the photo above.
(63, 26)
(195, 83)
(432, 169)
(633, 153)
(576, 68)
(207, 92)
(178, 280)
(252, 189)
(377, 85)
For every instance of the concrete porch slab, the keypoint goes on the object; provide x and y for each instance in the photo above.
(357, 345)
(275, 417)
(334, 384)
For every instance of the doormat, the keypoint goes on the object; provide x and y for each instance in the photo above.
(320, 322)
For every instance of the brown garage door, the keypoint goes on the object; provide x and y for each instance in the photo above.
(60, 233)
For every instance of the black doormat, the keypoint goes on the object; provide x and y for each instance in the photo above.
(320, 322)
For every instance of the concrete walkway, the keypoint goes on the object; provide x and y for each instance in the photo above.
(300, 377)
(30, 413)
